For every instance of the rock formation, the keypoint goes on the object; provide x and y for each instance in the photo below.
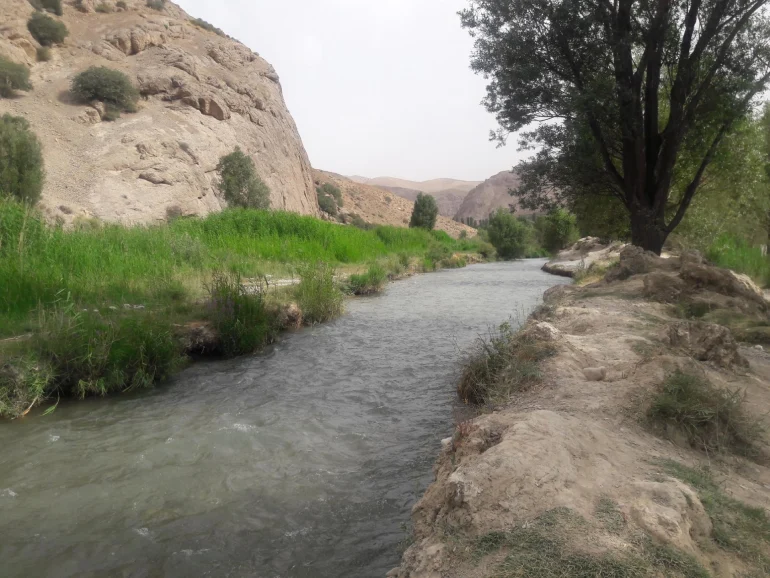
(491, 195)
(203, 94)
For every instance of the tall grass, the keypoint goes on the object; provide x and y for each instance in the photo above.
(317, 293)
(736, 254)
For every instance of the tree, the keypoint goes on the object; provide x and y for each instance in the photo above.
(508, 235)
(13, 77)
(558, 229)
(21, 161)
(239, 182)
(646, 81)
(110, 86)
(425, 212)
(46, 30)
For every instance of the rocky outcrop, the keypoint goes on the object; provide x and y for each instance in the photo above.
(202, 95)
(585, 253)
(706, 342)
(492, 194)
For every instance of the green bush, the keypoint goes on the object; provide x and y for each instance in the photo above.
(359, 223)
(238, 315)
(103, 8)
(370, 282)
(200, 23)
(46, 30)
(21, 161)
(508, 235)
(425, 212)
(317, 293)
(557, 230)
(43, 54)
(121, 4)
(736, 254)
(13, 77)
(326, 202)
(486, 250)
(711, 418)
(107, 85)
(53, 6)
(239, 182)
(158, 5)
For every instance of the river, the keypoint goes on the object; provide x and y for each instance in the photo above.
(301, 462)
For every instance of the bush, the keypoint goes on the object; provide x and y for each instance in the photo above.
(736, 254)
(239, 182)
(107, 85)
(508, 235)
(21, 160)
(46, 30)
(238, 316)
(103, 8)
(13, 77)
(53, 6)
(24, 381)
(710, 418)
(486, 250)
(95, 354)
(425, 212)
(317, 294)
(370, 282)
(121, 4)
(158, 5)
(557, 230)
(43, 54)
(200, 23)
(326, 203)
(359, 223)
(500, 364)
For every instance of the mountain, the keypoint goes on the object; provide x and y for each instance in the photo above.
(449, 193)
(203, 94)
(491, 195)
(381, 207)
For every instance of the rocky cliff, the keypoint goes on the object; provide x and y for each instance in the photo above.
(203, 94)
(491, 195)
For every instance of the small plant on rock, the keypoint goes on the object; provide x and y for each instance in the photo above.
(109, 86)
(13, 77)
(239, 182)
(46, 30)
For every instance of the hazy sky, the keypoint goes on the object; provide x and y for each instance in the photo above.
(376, 87)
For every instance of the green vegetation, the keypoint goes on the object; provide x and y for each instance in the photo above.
(737, 527)
(239, 182)
(103, 8)
(21, 162)
(711, 418)
(53, 6)
(121, 4)
(200, 23)
(425, 212)
(13, 77)
(370, 282)
(330, 199)
(557, 230)
(158, 5)
(500, 364)
(508, 235)
(43, 54)
(317, 293)
(109, 86)
(735, 253)
(46, 30)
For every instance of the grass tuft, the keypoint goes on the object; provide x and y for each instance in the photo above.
(711, 418)
(370, 282)
(317, 293)
(736, 254)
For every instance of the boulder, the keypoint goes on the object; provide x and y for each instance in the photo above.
(543, 331)
(662, 287)
(722, 281)
(595, 373)
(706, 342)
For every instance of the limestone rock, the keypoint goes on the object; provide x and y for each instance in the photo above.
(723, 281)
(543, 331)
(595, 373)
(706, 342)
(659, 286)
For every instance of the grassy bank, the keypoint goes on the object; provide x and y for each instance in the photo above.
(107, 308)
(736, 254)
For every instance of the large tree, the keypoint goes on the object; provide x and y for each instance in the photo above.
(645, 83)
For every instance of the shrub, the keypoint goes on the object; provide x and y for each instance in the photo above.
(359, 223)
(103, 8)
(158, 5)
(24, 381)
(500, 364)
(711, 418)
(326, 202)
(425, 212)
(46, 30)
(21, 160)
(736, 254)
(95, 354)
(438, 253)
(557, 230)
(53, 6)
(13, 77)
(238, 315)
(109, 86)
(486, 250)
(239, 182)
(317, 294)
(200, 23)
(121, 4)
(508, 235)
(370, 282)
(43, 54)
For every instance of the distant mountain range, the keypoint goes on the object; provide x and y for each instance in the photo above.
(457, 199)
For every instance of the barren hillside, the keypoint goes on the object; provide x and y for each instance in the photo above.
(489, 196)
(379, 206)
(203, 94)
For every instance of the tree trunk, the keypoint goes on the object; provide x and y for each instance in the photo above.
(648, 230)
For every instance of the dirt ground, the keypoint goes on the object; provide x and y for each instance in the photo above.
(571, 479)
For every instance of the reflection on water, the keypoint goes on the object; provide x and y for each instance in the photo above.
(302, 462)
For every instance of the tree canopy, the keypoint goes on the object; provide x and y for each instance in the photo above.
(425, 212)
(239, 182)
(633, 97)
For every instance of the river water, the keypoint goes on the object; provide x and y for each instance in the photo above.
(304, 461)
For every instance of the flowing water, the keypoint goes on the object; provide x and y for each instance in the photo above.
(302, 462)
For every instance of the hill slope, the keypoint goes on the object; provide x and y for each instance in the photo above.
(203, 95)
(491, 195)
(449, 193)
(381, 207)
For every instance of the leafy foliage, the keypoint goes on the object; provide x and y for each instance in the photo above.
(158, 5)
(239, 182)
(13, 77)
(558, 230)
(43, 54)
(46, 30)
(425, 212)
(329, 198)
(107, 85)
(508, 235)
(21, 160)
(53, 6)
(200, 23)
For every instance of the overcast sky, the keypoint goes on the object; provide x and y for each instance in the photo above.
(376, 87)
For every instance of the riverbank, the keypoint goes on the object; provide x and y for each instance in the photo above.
(632, 441)
(106, 308)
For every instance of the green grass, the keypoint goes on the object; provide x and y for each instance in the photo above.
(318, 295)
(370, 282)
(736, 254)
(736, 526)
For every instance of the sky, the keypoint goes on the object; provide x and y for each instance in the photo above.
(376, 87)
